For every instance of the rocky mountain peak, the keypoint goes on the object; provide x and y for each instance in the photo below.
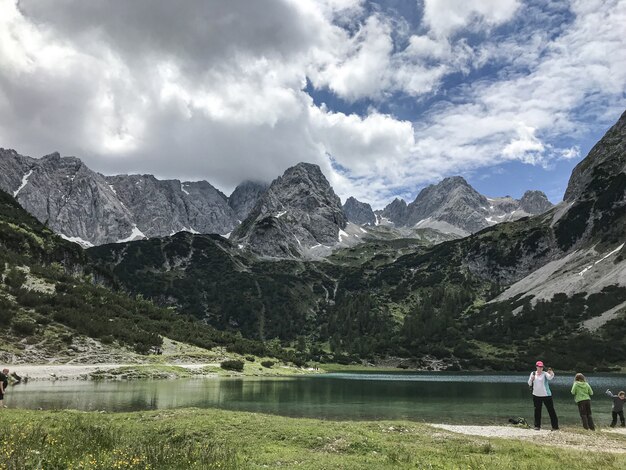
(359, 212)
(395, 212)
(308, 174)
(452, 201)
(52, 157)
(8, 152)
(299, 211)
(452, 182)
(535, 202)
(454, 206)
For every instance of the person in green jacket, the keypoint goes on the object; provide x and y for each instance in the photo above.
(582, 396)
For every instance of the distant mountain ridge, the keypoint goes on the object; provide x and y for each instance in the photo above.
(538, 287)
(454, 206)
(91, 209)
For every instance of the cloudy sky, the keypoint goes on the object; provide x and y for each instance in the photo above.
(386, 96)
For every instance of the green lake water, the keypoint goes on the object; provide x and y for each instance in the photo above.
(431, 397)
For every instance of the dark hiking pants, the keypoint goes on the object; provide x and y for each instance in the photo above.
(584, 408)
(539, 402)
(615, 414)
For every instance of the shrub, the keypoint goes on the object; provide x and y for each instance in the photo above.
(24, 327)
(107, 339)
(250, 358)
(267, 364)
(232, 364)
(6, 311)
(15, 278)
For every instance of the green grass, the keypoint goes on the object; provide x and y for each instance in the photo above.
(192, 438)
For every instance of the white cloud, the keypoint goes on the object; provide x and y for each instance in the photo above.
(361, 67)
(216, 90)
(362, 144)
(526, 147)
(570, 153)
(445, 17)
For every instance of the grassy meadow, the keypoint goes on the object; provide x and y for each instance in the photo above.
(217, 439)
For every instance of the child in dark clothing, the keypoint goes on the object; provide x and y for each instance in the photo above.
(618, 407)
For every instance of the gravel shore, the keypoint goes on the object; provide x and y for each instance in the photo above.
(602, 440)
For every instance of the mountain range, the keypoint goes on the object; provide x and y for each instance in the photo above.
(92, 209)
(453, 206)
(298, 215)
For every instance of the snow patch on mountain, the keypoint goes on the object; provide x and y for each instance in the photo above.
(601, 259)
(136, 234)
(80, 241)
(24, 183)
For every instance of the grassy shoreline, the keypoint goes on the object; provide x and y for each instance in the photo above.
(193, 438)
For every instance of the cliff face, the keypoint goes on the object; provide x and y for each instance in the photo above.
(605, 160)
(164, 207)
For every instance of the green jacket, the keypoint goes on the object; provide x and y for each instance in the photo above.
(581, 391)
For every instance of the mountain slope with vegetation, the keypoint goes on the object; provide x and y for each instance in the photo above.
(53, 300)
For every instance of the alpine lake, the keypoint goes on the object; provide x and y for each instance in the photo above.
(456, 398)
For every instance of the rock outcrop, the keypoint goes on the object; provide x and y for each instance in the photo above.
(534, 202)
(395, 212)
(606, 158)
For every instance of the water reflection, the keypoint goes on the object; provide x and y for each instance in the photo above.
(427, 397)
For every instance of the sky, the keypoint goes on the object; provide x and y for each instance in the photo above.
(385, 96)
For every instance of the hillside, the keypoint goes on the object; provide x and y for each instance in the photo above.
(56, 305)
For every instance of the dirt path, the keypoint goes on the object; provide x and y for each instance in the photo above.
(603, 440)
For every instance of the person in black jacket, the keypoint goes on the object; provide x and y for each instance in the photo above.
(4, 383)
(618, 407)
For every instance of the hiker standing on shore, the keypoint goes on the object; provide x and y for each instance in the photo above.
(538, 381)
(582, 392)
(4, 383)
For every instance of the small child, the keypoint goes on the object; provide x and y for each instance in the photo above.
(618, 407)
